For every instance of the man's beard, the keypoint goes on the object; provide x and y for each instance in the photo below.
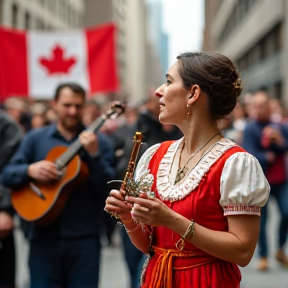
(72, 127)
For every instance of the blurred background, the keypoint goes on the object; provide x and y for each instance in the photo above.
(150, 34)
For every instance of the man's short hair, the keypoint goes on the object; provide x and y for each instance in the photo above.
(76, 88)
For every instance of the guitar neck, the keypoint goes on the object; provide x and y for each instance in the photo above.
(61, 162)
(76, 146)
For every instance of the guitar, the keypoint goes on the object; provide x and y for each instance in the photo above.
(41, 202)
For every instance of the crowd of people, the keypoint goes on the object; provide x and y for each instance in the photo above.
(218, 223)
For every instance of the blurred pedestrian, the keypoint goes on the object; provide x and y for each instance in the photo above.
(38, 115)
(65, 253)
(17, 108)
(204, 218)
(92, 111)
(234, 124)
(10, 137)
(153, 132)
(268, 142)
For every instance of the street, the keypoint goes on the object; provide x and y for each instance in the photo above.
(114, 273)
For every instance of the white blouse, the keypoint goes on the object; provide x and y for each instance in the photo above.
(243, 187)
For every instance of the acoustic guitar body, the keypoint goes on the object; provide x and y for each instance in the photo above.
(31, 207)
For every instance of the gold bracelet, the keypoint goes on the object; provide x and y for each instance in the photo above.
(190, 232)
(188, 235)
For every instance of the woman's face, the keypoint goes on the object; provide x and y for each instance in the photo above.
(173, 98)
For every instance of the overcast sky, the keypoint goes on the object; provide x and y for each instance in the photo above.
(184, 22)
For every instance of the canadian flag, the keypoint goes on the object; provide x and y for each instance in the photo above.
(33, 63)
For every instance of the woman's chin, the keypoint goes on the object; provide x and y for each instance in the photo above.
(162, 118)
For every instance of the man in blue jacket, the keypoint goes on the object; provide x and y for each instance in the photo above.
(65, 253)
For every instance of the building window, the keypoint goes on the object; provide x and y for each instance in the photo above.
(27, 20)
(269, 45)
(278, 90)
(239, 13)
(15, 13)
(40, 24)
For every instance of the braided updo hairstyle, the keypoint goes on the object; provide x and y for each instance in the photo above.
(216, 76)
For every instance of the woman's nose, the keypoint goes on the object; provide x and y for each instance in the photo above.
(159, 92)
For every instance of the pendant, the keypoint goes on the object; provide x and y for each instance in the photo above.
(180, 174)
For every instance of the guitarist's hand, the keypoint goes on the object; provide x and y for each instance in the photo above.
(89, 141)
(6, 224)
(43, 171)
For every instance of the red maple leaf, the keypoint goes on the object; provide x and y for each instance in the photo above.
(57, 63)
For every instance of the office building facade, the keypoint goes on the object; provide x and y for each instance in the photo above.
(254, 33)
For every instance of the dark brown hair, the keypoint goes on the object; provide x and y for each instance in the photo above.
(76, 88)
(216, 76)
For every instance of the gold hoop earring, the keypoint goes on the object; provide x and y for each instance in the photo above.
(189, 110)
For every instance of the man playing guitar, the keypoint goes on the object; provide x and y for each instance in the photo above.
(66, 252)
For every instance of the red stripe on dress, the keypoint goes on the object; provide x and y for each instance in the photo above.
(241, 209)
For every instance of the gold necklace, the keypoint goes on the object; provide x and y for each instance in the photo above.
(181, 172)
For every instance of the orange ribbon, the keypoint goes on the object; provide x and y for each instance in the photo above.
(163, 268)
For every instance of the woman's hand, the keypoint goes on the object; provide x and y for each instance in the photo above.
(150, 211)
(116, 205)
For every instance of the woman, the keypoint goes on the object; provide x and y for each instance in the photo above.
(204, 220)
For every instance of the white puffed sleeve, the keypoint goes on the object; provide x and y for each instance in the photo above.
(142, 166)
(243, 188)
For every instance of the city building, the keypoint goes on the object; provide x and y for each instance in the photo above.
(138, 65)
(41, 14)
(254, 33)
(156, 36)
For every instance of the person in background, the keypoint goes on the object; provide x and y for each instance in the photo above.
(92, 111)
(277, 112)
(121, 137)
(236, 124)
(153, 132)
(10, 137)
(65, 253)
(201, 223)
(38, 115)
(268, 142)
(18, 109)
(51, 115)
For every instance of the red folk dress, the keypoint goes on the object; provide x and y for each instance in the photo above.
(203, 198)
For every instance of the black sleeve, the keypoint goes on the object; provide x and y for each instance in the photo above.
(10, 137)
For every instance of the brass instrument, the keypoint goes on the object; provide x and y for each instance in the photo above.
(132, 163)
(142, 185)
(129, 186)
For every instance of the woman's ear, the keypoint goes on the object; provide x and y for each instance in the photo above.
(195, 92)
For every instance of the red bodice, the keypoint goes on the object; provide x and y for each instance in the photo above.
(201, 205)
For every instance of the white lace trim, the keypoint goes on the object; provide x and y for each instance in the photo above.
(170, 192)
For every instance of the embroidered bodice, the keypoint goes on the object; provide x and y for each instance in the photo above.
(242, 184)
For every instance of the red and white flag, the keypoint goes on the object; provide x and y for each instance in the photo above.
(33, 63)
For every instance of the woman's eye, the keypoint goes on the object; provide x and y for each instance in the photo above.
(168, 82)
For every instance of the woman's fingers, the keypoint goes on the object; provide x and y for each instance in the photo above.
(141, 216)
(116, 206)
(113, 201)
(116, 194)
(140, 208)
(148, 203)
